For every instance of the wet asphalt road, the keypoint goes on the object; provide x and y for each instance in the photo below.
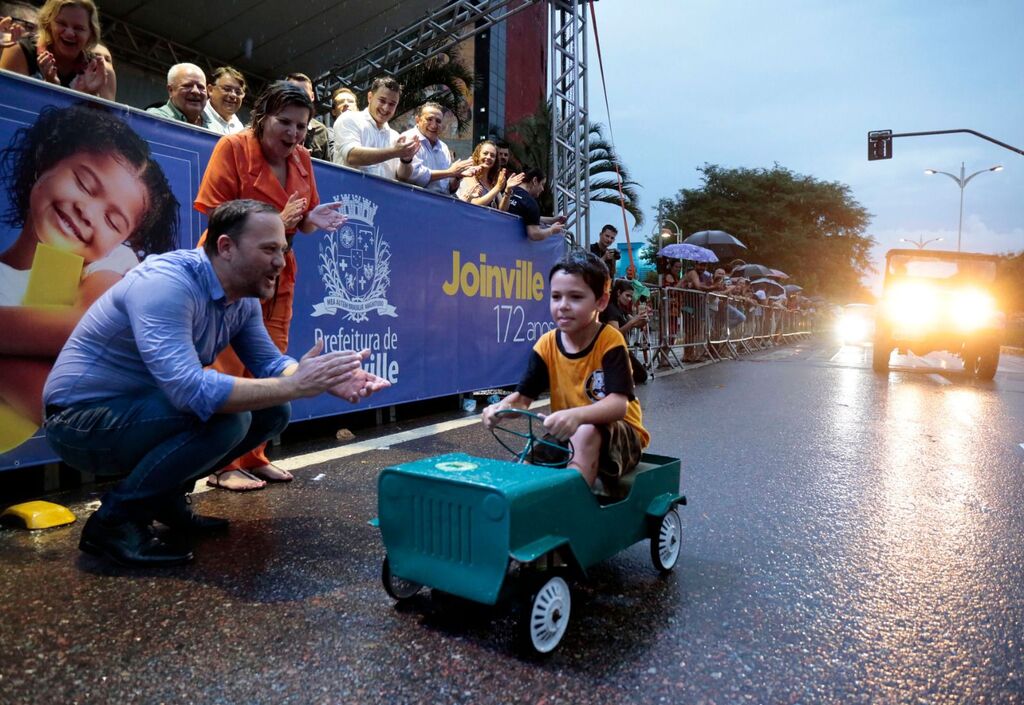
(849, 538)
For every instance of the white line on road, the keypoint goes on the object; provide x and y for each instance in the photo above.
(917, 361)
(298, 462)
(382, 443)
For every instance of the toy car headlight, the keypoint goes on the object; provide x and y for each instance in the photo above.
(912, 305)
(972, 309)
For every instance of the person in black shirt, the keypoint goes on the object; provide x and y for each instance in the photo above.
(523, 202)
(604, 248)
(617, 315)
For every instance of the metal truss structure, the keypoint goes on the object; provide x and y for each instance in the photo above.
(458, 20)
(570, 130)
(437, 32)
(152, 52)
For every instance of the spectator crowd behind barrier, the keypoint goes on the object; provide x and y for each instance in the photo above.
(688, 326)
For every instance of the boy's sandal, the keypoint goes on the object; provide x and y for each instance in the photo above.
(236, 481)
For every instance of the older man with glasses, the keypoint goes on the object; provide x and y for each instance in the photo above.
(227, 90)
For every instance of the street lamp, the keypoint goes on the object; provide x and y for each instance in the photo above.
(921, 243)
(666, 233)
(962, 182)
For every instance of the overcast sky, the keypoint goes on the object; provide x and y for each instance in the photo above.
(801, 82)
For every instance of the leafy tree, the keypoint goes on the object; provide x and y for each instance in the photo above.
(442, 79)
(530, 140)
(812, 230)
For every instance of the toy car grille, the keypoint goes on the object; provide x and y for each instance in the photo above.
(442, 529)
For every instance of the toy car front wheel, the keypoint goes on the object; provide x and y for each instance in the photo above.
(666, 544)
(397, 588)
(546, 615)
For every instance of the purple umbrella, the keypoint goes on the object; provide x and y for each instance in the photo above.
(694, 253)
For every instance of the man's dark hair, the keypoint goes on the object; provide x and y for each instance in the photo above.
(618, 287)
(430, 104)
(385, 82)
(587, 265)
(229, 218)
(609, 226)
(532, 173)
(275, 98)
(230, 72)
(502, 144)
(59, 133)
(298, 76)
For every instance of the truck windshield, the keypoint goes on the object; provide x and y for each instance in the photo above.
(924, 267)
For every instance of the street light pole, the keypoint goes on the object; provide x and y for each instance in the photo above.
(921, 243)
(665, 232)
(962, 182)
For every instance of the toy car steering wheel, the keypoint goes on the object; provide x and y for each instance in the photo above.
(533, 441)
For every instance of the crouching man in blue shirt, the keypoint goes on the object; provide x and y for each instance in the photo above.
(129, 393)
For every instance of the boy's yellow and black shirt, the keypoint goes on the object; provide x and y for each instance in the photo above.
(585, 377)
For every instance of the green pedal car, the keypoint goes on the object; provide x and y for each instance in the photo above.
(490, 530)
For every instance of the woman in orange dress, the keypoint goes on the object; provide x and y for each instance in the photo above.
(267, 162)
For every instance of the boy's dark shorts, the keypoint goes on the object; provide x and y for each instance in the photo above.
(620, 450)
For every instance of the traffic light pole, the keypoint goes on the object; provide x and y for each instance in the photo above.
(880, 141)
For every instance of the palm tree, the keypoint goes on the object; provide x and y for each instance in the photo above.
(442, 79)
(530, 139)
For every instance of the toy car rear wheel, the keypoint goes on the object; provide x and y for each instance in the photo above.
(667, 542)
(397, 588)
(546, 615)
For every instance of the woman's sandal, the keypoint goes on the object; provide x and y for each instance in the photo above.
(236, 481)
(272, 473)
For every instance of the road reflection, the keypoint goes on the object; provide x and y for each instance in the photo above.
(921, 544)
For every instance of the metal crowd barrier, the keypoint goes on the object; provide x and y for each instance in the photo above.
(685, 325)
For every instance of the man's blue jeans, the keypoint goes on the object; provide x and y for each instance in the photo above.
(162, 450)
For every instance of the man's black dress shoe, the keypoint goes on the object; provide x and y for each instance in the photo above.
(129, 543)
(179, 517)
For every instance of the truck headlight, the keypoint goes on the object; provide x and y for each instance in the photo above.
(972, 309)
(912, 305)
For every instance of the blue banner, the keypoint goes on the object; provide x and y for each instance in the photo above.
(448, 296)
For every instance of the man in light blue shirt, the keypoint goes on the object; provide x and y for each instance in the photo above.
(432, 165)
(129, 393)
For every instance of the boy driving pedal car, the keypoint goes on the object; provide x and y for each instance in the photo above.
(585, 365)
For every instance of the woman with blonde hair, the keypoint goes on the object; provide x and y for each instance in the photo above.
(491, 186)
(69, 31)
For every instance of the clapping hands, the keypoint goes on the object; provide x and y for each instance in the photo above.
(465, 168)
(326, 216)
(514, 181)
(294, 211)
(8, 26)
(407, 147)
(94, 77)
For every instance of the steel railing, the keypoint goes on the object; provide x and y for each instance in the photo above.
(685, 325)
